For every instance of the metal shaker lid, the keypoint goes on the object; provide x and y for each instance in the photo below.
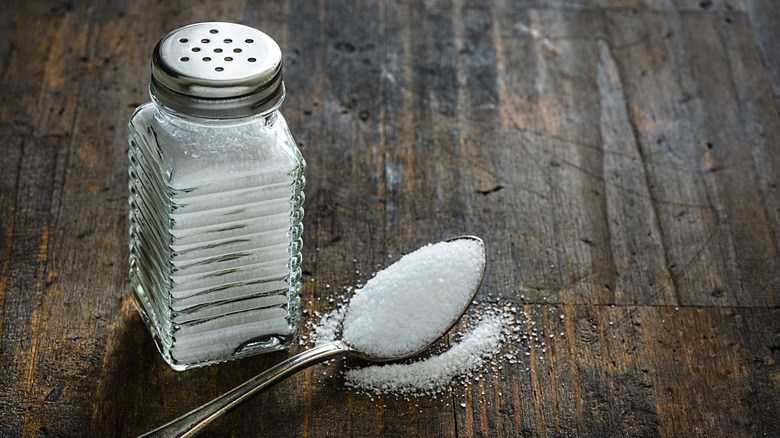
(217, 70)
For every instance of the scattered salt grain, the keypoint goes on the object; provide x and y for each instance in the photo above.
(328, 328)
(410, 304)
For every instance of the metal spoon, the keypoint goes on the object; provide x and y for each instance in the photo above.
(192, 423)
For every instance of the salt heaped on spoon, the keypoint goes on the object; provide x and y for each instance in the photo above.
(410, 304)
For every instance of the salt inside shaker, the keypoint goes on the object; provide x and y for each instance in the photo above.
(216, 194)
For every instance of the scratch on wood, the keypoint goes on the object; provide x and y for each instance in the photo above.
(483, 414)
(44, 248)
(537, 393)
(491, 190)
(9, 238)
(603, 360)
(562, 161)
(632, 212)
(546, 329)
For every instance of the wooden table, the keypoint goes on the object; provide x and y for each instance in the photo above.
(621, 159)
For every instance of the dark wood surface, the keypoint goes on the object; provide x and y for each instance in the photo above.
(621, 159)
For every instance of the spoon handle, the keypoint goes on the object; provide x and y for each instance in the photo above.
(191, 423)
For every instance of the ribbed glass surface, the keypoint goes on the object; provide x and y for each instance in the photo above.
(215, 235)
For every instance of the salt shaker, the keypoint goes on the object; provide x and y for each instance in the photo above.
(216, 194)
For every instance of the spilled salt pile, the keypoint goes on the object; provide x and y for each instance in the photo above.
(434, 373)
(491, 326)
(410, 304)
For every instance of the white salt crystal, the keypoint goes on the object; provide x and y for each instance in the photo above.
(411, 303)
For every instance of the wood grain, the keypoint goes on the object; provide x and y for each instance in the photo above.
(621, 158)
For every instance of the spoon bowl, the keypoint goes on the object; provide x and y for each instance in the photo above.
(432, 340)
(190, 424)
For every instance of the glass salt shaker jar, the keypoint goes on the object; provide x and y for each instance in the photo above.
(216, 194)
